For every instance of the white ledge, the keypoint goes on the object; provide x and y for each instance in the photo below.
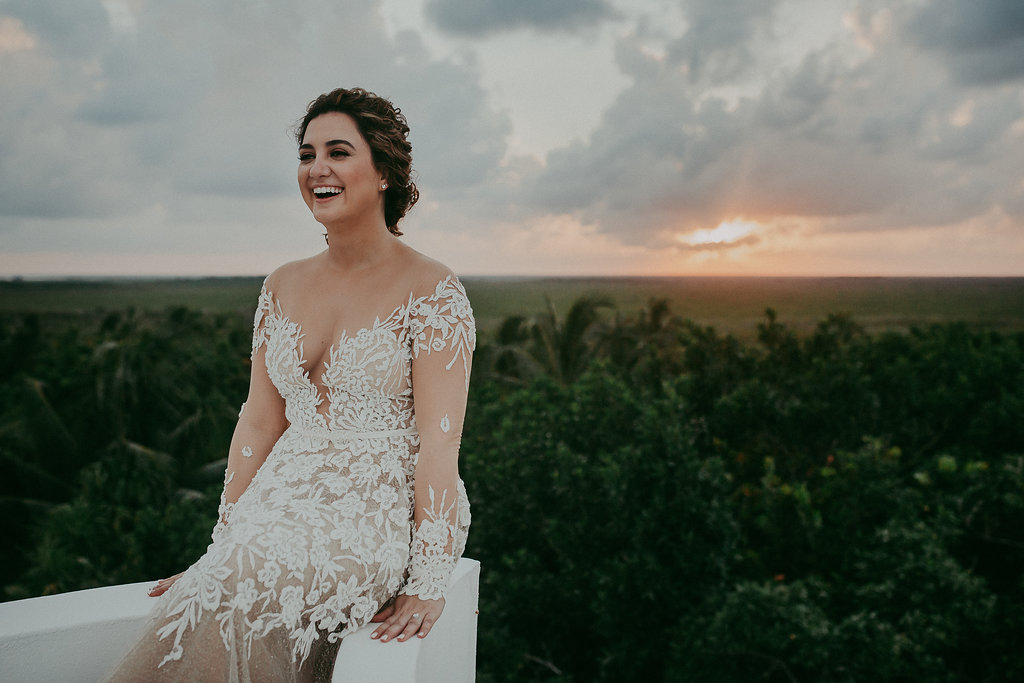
(78, 636)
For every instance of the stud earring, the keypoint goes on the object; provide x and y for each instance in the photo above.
(383, 186)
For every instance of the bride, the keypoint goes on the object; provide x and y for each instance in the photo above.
(342, 501)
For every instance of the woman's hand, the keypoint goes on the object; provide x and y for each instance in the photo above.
(163, 584)
(405, 617)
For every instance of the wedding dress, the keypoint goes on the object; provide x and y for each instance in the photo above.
(326, 532)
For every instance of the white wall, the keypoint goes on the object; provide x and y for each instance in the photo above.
(78, 636)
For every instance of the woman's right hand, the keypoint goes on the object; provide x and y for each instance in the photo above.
(163, 584)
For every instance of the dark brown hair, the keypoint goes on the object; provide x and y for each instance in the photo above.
(385, 129)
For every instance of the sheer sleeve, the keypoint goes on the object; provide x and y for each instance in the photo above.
(443, 336)
(261, 421)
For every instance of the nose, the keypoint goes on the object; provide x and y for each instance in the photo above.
(318, 168)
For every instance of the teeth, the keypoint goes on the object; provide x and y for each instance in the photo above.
(324, 191)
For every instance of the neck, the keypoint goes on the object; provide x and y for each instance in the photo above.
(351, 249)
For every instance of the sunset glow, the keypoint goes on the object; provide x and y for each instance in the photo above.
(750, 138)
(727, 232)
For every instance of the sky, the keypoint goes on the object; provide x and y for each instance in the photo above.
(550, 137)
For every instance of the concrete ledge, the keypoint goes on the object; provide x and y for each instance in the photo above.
(448, 654)
(77, 637)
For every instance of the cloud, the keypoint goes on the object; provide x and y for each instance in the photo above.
(458, 140)
(860, 140)
(166, 126)
(173, 104)
(14, 37)
(747, 241)
(145, 79)
(717, 45)
(69, 28)
(482, 17)
(981, 41)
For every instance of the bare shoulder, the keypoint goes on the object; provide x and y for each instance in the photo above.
(290, 276)
(424, 273)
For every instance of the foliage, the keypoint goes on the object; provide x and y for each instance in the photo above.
(77, 393)
(597, 506)
(652, 500)
(850, 527)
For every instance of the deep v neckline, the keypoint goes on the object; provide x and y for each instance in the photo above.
(277, 310)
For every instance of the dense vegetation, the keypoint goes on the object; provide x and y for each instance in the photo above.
(652, 500)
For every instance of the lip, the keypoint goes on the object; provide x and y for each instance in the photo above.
(326, 198)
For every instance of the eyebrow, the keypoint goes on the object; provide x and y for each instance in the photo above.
(330, 143)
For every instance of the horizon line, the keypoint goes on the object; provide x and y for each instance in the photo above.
(517, 276)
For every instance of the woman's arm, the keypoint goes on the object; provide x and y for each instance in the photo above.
(260, 423)
(443, 338)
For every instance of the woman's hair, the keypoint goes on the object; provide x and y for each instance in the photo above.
(385, 129)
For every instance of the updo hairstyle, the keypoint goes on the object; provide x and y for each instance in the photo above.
(386, 131)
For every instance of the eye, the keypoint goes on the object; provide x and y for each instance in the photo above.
(305, 156)
(339, 153)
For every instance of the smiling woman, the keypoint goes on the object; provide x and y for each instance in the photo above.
(373, 125)
(337, 177)
(342, 501)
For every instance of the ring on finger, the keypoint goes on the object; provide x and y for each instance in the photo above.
(415, 615)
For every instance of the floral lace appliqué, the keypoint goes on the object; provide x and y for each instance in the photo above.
(320, 537)
(432, 557)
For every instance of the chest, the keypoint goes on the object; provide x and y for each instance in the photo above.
(374, 360)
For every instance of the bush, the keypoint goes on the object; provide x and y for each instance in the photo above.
(598, 524)
(663, 503)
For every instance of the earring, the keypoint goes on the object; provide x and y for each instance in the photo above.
(383, 186)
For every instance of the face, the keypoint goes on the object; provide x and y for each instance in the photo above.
(337, 177)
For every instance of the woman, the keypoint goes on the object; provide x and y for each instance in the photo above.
(342, 502)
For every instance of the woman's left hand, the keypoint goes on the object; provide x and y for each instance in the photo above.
(405, 617)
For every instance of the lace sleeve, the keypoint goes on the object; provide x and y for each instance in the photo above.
(260, 421)
(443, 336)
(264, 306)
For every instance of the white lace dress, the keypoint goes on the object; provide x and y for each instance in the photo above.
(327, 529)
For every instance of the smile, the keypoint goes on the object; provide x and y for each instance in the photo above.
(327, 192)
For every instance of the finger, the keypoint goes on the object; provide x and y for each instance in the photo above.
(397, 627)
(428, 623)
(388, 621)
(163, 584)
(411, 627)
(394, 628)
(159, 588)
(383, 614)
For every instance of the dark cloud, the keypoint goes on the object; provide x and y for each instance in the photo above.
(481, 17)
(50, 165)
(64, 185)
(180, 106)
(182, 114)
(141, 86)
(458, 140)
(881, 141)
(74, 28)
(717, 44)
(982, 41)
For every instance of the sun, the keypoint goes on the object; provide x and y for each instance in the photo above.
(724, 233)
